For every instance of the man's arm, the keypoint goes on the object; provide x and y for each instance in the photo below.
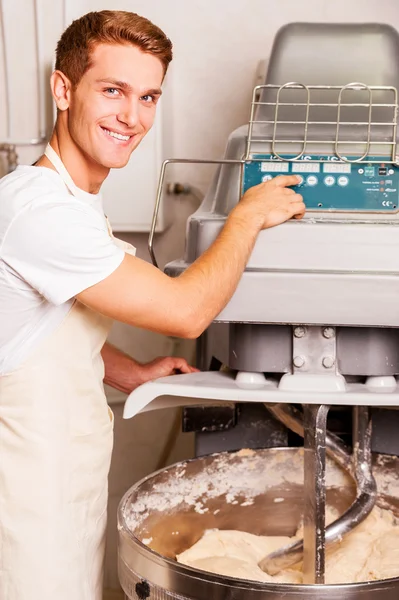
(124, 373)
(139, 294)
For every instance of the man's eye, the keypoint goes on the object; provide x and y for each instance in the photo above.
(148, 98)
(112, 91)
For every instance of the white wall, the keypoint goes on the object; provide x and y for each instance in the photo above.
(217, 48)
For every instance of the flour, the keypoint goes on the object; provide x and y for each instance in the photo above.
(387, 478)
(238, 477)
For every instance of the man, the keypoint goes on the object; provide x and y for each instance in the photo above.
(63, 278)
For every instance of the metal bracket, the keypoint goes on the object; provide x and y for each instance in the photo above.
(314, 350)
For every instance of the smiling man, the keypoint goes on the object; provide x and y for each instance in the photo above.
(105, 112)
(63, 278)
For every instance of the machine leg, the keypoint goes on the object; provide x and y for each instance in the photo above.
(315, 424)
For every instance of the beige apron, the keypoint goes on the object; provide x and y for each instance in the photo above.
(56, 437)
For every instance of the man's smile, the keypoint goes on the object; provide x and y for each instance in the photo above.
(116, 135)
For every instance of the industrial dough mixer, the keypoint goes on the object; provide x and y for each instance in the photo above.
(313, 322)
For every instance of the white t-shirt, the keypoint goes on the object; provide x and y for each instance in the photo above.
(52, 246)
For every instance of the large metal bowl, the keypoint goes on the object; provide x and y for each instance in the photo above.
(256, 491)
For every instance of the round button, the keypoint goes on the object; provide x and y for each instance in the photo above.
(312, 180)
(300, 180)
(267, 178)
(391, 172)
(361, 171)
(343, 180)
(329, 180)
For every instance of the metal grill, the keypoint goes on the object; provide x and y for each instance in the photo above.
(381, 132)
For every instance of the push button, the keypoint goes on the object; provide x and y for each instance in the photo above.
(329, 180)
(312, 180)
(343, 180)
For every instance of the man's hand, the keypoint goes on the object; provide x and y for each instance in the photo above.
(162, 367)
(271, 203)
(124, 373)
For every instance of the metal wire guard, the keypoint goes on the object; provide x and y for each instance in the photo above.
(319, 126)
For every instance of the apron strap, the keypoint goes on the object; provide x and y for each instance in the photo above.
(61, 170)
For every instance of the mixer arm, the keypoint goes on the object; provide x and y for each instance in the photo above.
(292, 418)
(360, 465)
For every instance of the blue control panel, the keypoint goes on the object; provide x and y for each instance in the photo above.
(331, 185)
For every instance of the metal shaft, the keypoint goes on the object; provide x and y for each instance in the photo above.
(315, 423)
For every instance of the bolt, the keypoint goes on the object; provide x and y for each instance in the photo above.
(299, 361)
(177, 188)
(329, 332)
(328, 362)
(299, 332)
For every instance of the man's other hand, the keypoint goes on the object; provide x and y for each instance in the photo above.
(162, 367)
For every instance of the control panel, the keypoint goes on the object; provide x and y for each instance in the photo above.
(330, 184)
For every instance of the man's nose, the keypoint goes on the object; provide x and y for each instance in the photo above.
(129, 113)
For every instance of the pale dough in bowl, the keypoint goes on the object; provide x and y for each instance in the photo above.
(369, 553)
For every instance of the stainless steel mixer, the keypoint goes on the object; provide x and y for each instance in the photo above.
(169, 511)
(314, 319)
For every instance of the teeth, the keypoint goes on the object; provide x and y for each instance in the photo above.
(118, 136)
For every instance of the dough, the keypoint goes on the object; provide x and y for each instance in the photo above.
(370, 552)
(232, 553)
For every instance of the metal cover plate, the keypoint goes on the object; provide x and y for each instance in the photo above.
(206, 387)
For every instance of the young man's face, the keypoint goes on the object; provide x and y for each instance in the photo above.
(114, 104)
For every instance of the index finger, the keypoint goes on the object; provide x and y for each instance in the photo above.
(286, 180)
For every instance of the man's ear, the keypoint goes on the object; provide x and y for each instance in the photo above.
(61, 89)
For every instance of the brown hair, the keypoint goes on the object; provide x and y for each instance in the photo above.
(108, 27)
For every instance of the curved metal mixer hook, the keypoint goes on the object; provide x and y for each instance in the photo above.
(357, 465)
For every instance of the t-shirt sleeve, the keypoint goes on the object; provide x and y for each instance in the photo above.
(61, 248)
